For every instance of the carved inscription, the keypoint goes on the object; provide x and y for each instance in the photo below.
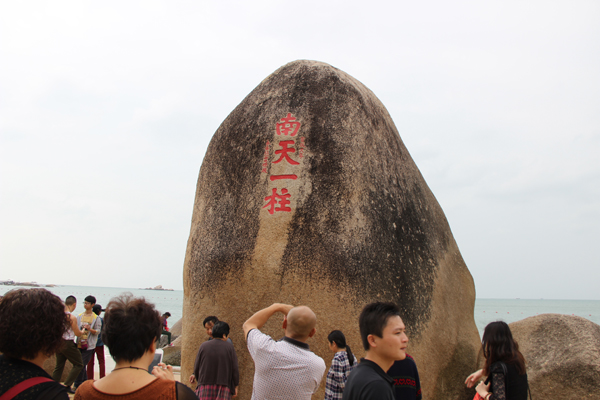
(285, 156)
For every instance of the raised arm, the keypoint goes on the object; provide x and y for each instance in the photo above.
(260, 318)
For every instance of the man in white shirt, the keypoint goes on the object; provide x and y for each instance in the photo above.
(69, 350)
(284, 369)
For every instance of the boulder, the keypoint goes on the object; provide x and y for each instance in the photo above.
(178, 341)
(172, 355)
(562, 354)
(176, 328)
(307, 195)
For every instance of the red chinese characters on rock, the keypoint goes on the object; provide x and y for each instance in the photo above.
(266, 158)
(283, 152)
(278, 199)
(287, 126)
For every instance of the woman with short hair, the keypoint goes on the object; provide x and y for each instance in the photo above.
(32, 323)
(132, 328)
(504, 366)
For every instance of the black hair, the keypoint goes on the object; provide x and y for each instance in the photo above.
(90, 299)
(167, 314)
(373, 319)
(70, 300)
(220, 330)
(21, 309)
(498, 345)
(210, 318)
(131, 325)
(97, 309)
(339, 339)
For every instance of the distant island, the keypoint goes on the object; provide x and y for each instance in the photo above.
(10, 282)
(158, 287)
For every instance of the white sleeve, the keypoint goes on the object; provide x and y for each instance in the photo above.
(257, 342)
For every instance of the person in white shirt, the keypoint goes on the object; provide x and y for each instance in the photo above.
(284, 369)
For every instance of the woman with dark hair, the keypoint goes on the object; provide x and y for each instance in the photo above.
(504, 366)
(131, 330)
(32, 323)
(216, 368)
(341, 365)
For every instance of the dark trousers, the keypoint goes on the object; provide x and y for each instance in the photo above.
(69, 352)
(99, 351)
(85, 356)
(168, 335)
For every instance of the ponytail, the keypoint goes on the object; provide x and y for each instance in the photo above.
(350, 355)
(339, 339)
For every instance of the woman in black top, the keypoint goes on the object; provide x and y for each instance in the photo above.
(504, 366)
(32, 322)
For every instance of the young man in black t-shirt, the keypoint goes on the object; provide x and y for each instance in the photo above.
(384, 339)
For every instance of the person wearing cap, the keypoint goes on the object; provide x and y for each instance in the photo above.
(99, 349)
(165, 328)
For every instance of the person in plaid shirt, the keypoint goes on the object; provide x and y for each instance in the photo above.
(341, 365)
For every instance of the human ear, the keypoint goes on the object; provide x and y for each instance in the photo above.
(312, 333)
(371, 340)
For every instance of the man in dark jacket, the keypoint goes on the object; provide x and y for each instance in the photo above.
(384, 339)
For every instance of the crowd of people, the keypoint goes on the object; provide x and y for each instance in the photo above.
(284, 369)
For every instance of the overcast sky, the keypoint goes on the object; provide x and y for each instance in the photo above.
(107, 108)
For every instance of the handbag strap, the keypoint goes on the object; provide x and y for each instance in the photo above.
(22, 386)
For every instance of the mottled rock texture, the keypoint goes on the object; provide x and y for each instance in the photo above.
(362, 226)
(562, 354)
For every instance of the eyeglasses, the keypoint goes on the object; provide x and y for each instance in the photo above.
(86, 302)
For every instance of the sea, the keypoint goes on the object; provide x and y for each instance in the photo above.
(486, 310)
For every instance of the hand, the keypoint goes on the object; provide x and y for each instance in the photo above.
(163, 371)
(236, 393)
(192, 378)
(284, 308)
(473, 378)
(483, 389)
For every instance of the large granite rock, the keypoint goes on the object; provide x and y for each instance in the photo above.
(562, 353)
(307, 195)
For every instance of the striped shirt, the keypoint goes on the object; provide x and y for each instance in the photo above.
(337, 375)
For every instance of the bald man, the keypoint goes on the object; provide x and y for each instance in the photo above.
(284, 369)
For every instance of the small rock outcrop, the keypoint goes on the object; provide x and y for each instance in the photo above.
(307, 195)
(177, 327)
(172, 355)
(562, 354)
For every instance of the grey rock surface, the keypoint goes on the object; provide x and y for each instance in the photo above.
(307, 195)
(172, 356)
(562, 354)
(176, 329)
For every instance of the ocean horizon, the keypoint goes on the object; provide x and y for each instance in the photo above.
(486, 310)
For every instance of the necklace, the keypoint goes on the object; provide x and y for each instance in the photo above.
(132, 367)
